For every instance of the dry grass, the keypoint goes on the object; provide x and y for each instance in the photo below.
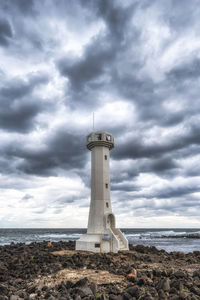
(97, 276)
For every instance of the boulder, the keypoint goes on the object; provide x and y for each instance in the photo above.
(164, 284)
(3, 289)
(134, 291)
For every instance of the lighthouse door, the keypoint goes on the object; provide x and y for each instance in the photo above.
(111, 221)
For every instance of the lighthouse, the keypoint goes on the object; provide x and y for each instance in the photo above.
(102, 234)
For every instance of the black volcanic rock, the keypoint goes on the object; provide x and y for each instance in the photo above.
(160, 275)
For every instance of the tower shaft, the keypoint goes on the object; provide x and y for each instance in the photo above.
(100, 189)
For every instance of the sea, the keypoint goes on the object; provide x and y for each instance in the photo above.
(170, 239)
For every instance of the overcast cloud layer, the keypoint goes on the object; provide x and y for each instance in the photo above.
(136, 64)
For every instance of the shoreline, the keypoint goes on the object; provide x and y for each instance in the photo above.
(169, 239)
(54, 270)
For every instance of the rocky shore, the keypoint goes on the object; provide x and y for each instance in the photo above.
(56, 271)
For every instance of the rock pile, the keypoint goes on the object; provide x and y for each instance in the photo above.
(56, 271)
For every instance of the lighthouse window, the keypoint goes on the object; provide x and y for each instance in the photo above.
(105, 157)
(106, 185)
(105, 237)
(97, 137)
(108, 138)
(107, 204)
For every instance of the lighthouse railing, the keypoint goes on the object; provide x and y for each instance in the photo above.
(114, 242)
(118, 232)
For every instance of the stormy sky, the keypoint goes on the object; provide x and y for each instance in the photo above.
(136, 64)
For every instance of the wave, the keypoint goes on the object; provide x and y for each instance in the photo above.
(164, 234)
(59, 236)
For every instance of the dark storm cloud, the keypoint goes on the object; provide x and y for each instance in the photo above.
(186, 71)
(20, 118)
(149, 97)
(144, 92)
(179, 204)
(173, 192)
(18, 6)
(18, 106)
(26, 40)
(61, 150)
(164, 166)
(5, 166)
(127, 187)
(117, 62)
(170, 191)
(5, 32)
(24, 6)
(168, 195)
(85, 70)
(124, 174)
(93, 70)
(85, 74)
(135, 147)
(192, 171)
(161, 166)
(181, 17)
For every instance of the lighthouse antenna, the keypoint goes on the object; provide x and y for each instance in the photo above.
(93, 121)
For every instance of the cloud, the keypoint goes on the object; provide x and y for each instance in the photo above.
(22, 6)
(18, 105)
(188, 71)
(140, 147)
(90, 70)
(136, 65)
(5, 32)
(27, 197)
(177, 192)
(61, 150)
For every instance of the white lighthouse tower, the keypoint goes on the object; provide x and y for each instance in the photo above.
(102, 235)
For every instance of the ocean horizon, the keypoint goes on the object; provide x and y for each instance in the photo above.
(170, 239)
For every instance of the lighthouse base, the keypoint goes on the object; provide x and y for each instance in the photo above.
(93, 243)
(103, 243)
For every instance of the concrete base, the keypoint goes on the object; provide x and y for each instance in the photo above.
(93, 243)
(103, 243)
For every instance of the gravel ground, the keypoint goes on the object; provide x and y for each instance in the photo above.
(56, 271)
